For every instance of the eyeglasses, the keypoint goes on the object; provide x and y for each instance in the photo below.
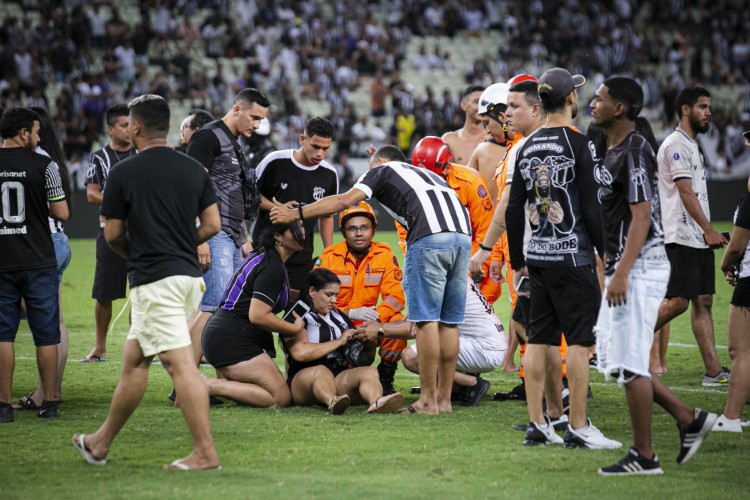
(354, 229)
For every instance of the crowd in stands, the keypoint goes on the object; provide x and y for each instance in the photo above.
(89, 55)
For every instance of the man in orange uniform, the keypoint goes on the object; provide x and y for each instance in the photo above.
(433, 154)
(368, 270)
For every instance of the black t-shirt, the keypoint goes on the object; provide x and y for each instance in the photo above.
(557, 176)
(213, 148)
(630, 176)
(261, 276)
(28, 181)
(280, 176)
(159, 193)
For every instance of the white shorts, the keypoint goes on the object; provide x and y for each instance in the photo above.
(624, 334)
(482, 342)
(160, 312)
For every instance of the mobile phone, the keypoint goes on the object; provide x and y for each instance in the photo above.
(524, 285)
(727, 235)
(299, 307)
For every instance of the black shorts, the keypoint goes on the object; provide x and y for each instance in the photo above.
(229, 339)
(521, 313)
(110, 274)
(563, 300)
(693, 272)
(741, 294)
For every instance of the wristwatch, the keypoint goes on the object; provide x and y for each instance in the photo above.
(381, 333)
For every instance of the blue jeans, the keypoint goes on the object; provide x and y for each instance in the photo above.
(435, 273)
(225, 259)
(62, 253)
(38, 288)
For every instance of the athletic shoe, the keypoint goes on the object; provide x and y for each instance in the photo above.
(633, 463)
(560, 423)
(693, 434)
(474, 394)
(6, 413)
(745, 424)
(727, 425)
(48, 410)
(588, 437)
(720, 379)
(535, 435)
(518, 393)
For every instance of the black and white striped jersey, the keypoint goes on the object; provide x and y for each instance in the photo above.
(418, 199)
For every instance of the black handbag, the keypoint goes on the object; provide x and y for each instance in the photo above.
(359, 353)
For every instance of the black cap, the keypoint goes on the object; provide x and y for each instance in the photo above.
(558, 83)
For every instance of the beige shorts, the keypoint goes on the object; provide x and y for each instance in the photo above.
(160, 312)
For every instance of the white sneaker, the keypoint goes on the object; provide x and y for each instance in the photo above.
(745, 424)
(588, 437)
(727, 425)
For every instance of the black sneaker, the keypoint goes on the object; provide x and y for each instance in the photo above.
(212, 400)
(6, 413)
(536, 436)
(560, 424)
(474, 394)
(518, 393)
(48, 410)
(415, 390)
(693, 434)
(387, 372)
(633, 463)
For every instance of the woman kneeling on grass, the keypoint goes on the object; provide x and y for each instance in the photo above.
(318, 372)
(237, 339)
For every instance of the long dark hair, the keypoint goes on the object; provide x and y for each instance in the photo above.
(317, 279)
(51, 145)
(266, 238)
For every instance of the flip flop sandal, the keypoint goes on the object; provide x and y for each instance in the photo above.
(178, 465)
(387, 404)
(26, 403)
(339, 404)
(407, 410)
(80, 447)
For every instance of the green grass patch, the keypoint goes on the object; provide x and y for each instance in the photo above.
(305, 453)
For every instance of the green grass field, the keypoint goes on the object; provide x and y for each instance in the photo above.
(305, 453)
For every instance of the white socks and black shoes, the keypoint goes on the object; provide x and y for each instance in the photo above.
(537, 434)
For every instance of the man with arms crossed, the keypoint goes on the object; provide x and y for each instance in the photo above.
(637, 271)
(159, 192)
(688, 234)
(436, 265)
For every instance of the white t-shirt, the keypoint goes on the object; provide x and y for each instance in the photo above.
(680, 158)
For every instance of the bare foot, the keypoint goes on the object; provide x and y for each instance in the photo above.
(511, 368)
(420, 407)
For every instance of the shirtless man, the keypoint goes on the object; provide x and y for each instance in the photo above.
(463, 141)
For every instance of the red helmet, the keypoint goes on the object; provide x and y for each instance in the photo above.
(431, 153)
(523, 77)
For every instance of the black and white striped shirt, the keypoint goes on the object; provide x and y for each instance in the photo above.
(418, 199)
(102, 161)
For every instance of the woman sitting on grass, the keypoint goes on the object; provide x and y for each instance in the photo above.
(237, 339)
(318, 372)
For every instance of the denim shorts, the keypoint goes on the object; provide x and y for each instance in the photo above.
(62, 253)
(625, 333)
(225, 259)
(38, 288)
(436, 268)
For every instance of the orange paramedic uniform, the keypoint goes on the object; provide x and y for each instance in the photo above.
(377, 275)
